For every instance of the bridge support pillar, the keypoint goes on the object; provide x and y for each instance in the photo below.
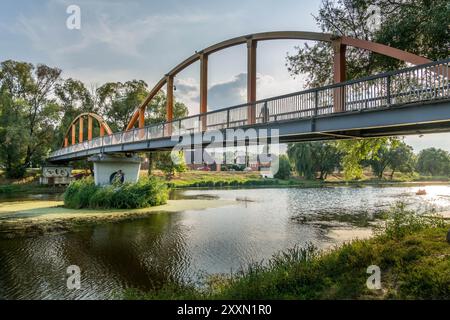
(110, 168)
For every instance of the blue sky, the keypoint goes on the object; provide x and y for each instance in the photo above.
(124, 40)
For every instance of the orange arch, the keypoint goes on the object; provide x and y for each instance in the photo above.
(339, 45)
(104, 127)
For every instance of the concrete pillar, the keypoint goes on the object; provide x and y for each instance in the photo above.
(108, 166)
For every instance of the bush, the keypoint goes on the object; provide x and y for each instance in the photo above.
(145, 193)
(284, 168)
(401, 222)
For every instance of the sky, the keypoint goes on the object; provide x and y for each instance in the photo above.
(125, 40)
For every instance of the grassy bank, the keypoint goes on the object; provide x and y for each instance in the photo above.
(201, 179)
(29, 188)
(410, 250)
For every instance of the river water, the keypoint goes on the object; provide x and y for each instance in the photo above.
(189, 245)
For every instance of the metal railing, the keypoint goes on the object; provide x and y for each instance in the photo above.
(420, 83)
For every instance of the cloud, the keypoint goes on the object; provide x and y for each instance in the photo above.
(228, 93)
(234, 91)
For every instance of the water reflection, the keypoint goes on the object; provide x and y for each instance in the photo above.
(146, 253)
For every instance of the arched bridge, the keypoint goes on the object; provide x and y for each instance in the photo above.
(408, 101)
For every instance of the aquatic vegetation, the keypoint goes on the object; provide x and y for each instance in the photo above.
(147, 192)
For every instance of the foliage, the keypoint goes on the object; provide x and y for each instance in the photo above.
(145, 193)
(156, 110)
(396, 155)
(73, 99)
(118, 101)
(401, 222)
(356, 151)
(414, 26)
(312, 157)
(171, 163)
(284, 168)
(28, 113)
(433, 162)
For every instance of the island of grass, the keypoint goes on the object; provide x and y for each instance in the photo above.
(147, 192)
(411, 251)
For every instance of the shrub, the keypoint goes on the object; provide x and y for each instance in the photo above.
(284, 168)
(145, 193)
(401, 222)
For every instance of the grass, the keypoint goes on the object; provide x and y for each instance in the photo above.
(413, 256)
(224, 179)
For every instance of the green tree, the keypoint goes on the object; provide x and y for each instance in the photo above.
(171, 163)
(417, 26)
(118, 101)
(396, 155)
(284, 167)
(314, 157)
(156, 110)
(29, 114)
(402, 159)
(434, 162)
(73, 99)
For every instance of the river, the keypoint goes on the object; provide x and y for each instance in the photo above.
(189, 245)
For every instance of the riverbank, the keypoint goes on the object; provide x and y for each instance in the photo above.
(32, 218)
(414, 261)
(227, 179)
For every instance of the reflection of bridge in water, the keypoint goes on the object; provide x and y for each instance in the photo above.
(408, 101)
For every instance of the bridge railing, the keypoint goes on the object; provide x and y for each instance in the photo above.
(420, 83)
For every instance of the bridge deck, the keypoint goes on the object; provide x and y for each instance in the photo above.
(408, 101)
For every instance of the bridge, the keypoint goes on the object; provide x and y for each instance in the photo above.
(412, 100)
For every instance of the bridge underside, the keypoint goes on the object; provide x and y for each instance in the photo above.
(412, 119)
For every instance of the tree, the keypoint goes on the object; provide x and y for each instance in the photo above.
(314, 157)
(396, 155)
(284, 167)
(415, 26)
(171, 163)
(156, 110)
(118, 101)
(434, 162)
(29, 114)
(402, 159)
(73, 99)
